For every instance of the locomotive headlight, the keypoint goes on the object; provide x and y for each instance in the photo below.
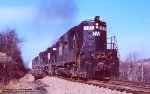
(96, 24)
(54, 49)
(96, 27)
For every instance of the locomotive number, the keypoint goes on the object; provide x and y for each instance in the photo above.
(88, 27)
(92, 28)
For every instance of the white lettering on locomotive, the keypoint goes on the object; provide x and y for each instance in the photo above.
(96, 33)
(92, 27)
(88, 27)
(49, 56)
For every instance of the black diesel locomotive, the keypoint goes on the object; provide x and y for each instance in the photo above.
(83, 51)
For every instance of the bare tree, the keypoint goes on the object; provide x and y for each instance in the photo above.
(10, 44)
(135, 69)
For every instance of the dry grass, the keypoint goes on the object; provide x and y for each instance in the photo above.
(18, 84)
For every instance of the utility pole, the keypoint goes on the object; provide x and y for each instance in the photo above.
(142, 73)
(129, 73)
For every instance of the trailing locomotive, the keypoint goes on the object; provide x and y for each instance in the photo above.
(83, 51)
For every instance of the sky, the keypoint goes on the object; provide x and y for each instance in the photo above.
(41, 22)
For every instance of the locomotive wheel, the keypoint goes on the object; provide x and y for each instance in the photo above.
(83, 79)
(101, 71)
(74, 78)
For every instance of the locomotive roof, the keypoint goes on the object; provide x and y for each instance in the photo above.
(74, 29)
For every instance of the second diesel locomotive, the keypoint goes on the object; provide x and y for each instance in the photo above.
(83, 51)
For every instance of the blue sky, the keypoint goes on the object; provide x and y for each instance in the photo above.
(36, 24)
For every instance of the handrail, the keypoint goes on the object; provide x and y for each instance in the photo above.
(114, 45)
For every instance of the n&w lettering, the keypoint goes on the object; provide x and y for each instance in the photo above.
(96, 33)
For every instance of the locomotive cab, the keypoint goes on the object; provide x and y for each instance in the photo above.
(95, 60)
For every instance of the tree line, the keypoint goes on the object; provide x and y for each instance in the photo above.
(135, 69)
(10, 45)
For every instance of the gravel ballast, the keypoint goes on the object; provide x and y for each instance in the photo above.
(60, 86)
(55, 85)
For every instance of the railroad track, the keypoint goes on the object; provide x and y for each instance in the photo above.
(129, 87)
